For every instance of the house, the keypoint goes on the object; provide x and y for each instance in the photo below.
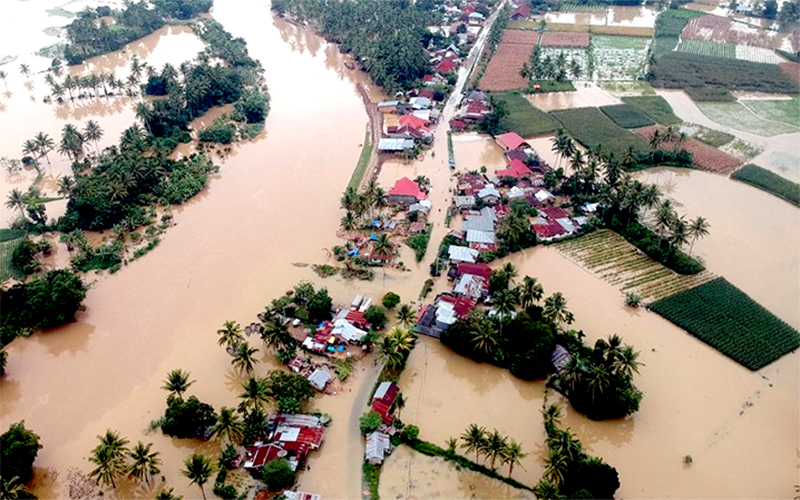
(516, 192)
(464, 202)
(521, 13)
(406, 192)
(473, 110)
(462, 254)
(458, 125)
(480, 237)
(300, 495)
(554, 213)
(383, 401)
(489, 195)
(516, 169)
(433, 80)
(319, 379)
(446, 66)
(476, 17)
(414, 121)
(544, 196)
(479, 269)
(420, 103)
(589, 208)
(549, 230)
(483, 222)
(470, 184)
(391, 123)
(291, 436)
(378, 446)
(510, 141)
(567, 224)
(472, 286)
(378, 259)
(518, 154)
(394, 145)
(446, 309)
(388, 106)
(560, 358)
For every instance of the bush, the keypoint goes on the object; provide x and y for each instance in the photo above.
(291, 391)
(278, 475)
(187, 419)
(390, 300)
(369, 422)
(376, 317)
(220, 133)
(18, 449)
(23, 258)
(319, 306)
(225, 492)
(410, 432)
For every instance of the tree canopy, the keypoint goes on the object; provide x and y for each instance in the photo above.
(18, 449)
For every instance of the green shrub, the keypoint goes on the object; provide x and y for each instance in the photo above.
(278, 475)
(369, 422)
(187, 419)
(419, 242)
(220, 133)
(390, 300)
(23, 258)
(769, 182)
(376, 317)
(18, 449)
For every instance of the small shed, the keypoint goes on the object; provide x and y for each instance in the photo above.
(378, 446)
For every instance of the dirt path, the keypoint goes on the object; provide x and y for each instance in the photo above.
(375, 128)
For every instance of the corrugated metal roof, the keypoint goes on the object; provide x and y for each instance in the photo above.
(463, 254)
(485, 237)
(395, 144)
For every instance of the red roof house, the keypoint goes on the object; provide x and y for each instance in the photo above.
(446, 66)
(521, 12)
(477, 269)
(549, 230)
(384, 399)
(555, 213)
(406, 191)
(516, 169)
(413, 122)
(510, 140)
(462, 306)
(357, 318)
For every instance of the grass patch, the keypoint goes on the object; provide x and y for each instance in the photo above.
(6, 250)
(727, 113)
(785, 111)
(728, 320)
(770, 182)
(712, 78)
(363, 161)
(419, 242)
(552, 86)
(523, 118)
(715, 138)
(634, 88)
(592, 128)
(655, 107)
(570, 28)
(669, 26)
(619, 42)
(10, 234)
(432, 450)
(626, 116)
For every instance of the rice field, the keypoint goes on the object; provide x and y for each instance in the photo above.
(610, 257)
(728, 51)
(582, 9)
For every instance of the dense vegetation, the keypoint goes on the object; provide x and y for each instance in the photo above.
(90, 34)
(522, 117)
(712, 78)
(626, 116)
(728, 320)
(769, 182)
(669, 25)
(18, 449)
(45, 302)
(592, 128)
(395, 59)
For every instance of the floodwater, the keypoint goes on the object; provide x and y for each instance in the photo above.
(640, 17)
(585, 95)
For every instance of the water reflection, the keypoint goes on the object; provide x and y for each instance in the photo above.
(70, 339)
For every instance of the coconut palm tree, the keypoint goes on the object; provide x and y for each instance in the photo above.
(167, 494)
(484, 336)
(229, 427)
(109, 457)
(474, 439)
(680, 233)
(556, 468)
(255, 395)
(698, 228)
(547, 489)
(552, 417)
(44, 144)
(530, 292)
(144, 463)
(382, 245)
(198, 468)
(564, 443)
(24, 70)
(13, 489)
(512, 454)
(71, 143)
(244, 358)
(177, 383)
(29, 148)
(92, 132)
(144, 112)
(665, 215)
(16, 200)
(626, 362)
(495, 444)
(348, 222)
(505, 302)
(276, 336)
(395, 346)
(406, 315)
(230, 335)
(555, 310)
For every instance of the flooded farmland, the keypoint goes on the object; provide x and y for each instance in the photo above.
(272, 209)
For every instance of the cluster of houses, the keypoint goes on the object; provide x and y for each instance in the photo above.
(289, 436)
(332, 338)
(408, 120)
(383, 402)
(462, 20)
(473, 108)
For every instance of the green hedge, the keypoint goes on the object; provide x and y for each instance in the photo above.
(770, 182)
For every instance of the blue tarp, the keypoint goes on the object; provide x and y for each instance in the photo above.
(353, 252)
(373, 236)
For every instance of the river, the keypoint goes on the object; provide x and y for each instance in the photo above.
(232, 249)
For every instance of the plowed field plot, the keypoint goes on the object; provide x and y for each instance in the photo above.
(703, 156)
(724, 30)
(565, 40)
(610, 257)
(503, 71)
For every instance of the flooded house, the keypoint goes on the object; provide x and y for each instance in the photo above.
(384, 399)
(289, 436)
(406, 192)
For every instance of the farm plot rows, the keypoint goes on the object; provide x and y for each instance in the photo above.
(616, 261)
(728, 50)
(728, 320)
(565, 40)
(737, 115)
(725, 30)
(626, 116)
(582, 8)
(619, 57)
(655, 107)
(503, 71)
(591, 128)
(704, 156)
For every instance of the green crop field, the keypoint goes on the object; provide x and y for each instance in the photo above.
(769, 182)
(592, 128)
(784, 110)
(627, 88)
(626, 116)
(523, 118)
(704, 48)
(728, 320)
(738, 115)
(669, 25)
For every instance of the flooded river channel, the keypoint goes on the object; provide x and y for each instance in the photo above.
(275, 204)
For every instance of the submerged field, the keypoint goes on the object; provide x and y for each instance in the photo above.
(742, 117)
(523, 118)
(727, 319)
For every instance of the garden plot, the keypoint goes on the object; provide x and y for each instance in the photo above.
(619, 57)
(724, 30)
(578, 55)
(610, 257)
(565, 40)
(739, 116)
(503, 71)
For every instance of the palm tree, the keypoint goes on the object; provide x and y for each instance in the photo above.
(650, 196)
(626, 362)
(406, 315)
(505, 302)
(383, 246)
(276, 336)
(474, 439)
(3, 76)
(255, 395)
(244, 358)
(698, 228)
(510, 271)
(144, 463)
(680, 233)
(664, 217)
(530, 292)
(512, 454)
(144, 112)
(25, 70)
(198, 468)
(484, 336)
(552, 417)
(16, 200)
(555, 310)
(348, 221)
(495, 444)
(564, 443)
(92, 132)
(556, 468)
(395, 346)
(177, 383)
(547, 489)
(167, 494)
(229, 426)
(44, 144)
(230, 335)
(109, 457)
(13, 489)
(598, 380)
